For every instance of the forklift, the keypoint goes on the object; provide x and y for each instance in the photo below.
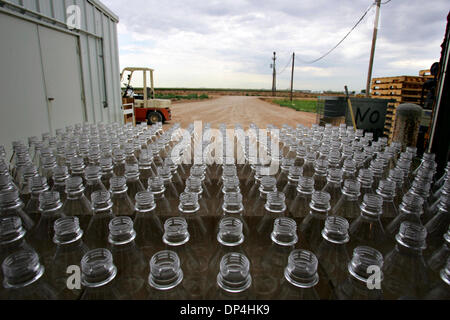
(146, 107)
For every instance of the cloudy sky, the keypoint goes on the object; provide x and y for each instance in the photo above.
(229, 43)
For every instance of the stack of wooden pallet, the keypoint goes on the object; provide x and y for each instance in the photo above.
(402, 89)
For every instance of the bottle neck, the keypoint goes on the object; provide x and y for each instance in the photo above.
(234, 275)
(165, 270)
(301, 270)
(97, 268)
(22, 269)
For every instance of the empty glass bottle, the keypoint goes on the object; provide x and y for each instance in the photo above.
(93, 175)
(126, 255)
(70, 249)
(23, 278)
(165, 281)
(367, 229)
(290, 189)
(133, 182)
(300, 277)
(313, 224)
(300, 206)
(77, 205)
(171, 191)
(233, 280)
(332, 252)
(362, 283)
(97, 230)
(189, 208)
(77, 167)
(275, 208)
(60, 175)
(98, 276)
(41, 237)
(438, 225)
(147, 224)
(122, 204)
(334, 185)
(386, 189)
(107, 171)
(146, 167)
(365, 178)
(157, 188)
(439, 257)
(11, 205)
(348, 205)
(38, 185)
(119, 162)
(410, 210)
(405, 269)
(267, 185)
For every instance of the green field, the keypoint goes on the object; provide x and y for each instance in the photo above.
(298, 104)
(172, 96)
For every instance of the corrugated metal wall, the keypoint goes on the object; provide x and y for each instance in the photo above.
(99, 54)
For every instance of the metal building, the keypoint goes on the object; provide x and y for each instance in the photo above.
(59, 65)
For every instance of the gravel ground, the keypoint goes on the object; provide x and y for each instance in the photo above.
(238, 109)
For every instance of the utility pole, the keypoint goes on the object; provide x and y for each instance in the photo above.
(274, 76)
(292, 74)
(372, 52)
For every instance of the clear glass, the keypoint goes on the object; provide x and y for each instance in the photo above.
(405, 269)
(134, 184)
(38, 185)
(60, 175)
(122, 204)
(334, 185)
(98, 228)
(411, 209)
(93, 175)
(300, 206)
(77, 205)
(11, 205)
(348, 205)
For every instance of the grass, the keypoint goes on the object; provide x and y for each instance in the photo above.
(180, 97)
(297, 104)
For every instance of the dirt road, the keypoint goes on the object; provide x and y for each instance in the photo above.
(238, 109)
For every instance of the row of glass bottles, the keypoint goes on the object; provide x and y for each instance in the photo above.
(276, 205)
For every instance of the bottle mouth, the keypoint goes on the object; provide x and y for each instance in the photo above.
(334, 175)
(284, 232)
(268, 184)
(336, 230)
(145, 201)
(233, 202)
(234, 275)
(74, 185)
(230, 232)
(67, 230)
(363, 258)
(194, 184)
(97, 268)
(189, 202)
(176, 231)
(351, 188)
(412, 203)
(121, 231)
(305, 185)
(301, 270)
(276, 202)
(10, 199)
(49, 201)
(21, 269)
(156, 185)
(320, 201)
(93, 173)
(38, 184)
(101, 201)
(11, 229)
(165, 270)
(132, 171)
(118, 184)
(412, 235)
(372, 204)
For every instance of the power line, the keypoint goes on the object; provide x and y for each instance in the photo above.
(287, 65)
(386, 2)
(342, 40)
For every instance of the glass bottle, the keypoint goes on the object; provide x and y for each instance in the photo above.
(290, 189)
(157, 188)
(285, 165)
(107, 171)
(165, 281)
(146, 167)
(177, 239)
(41, 237)
(300, 206)
(171, 192)
(405, 270)
(267, 184)
(233, 280)
(147, 223)
(367, 229)
(98, 276)
(77, 205)
(48, 166)
(194, 185)
(12, 238)
(70, 249)
(439, 257)
(334, 185)
(6, 183)
(97, 230)
(313, 224)
(23, 278)
(11, 205)
(396, 176)
(126, 255)
(119, 162)
(365, 178)
(133, 182)
(275, 208)
(320, 173)
(308, 166)
(93, 175)
(386, 189)
(438, 225)
(60, 175)
(349, 169)
(348, 205)
(122, 204)
(77, 167)
(300, 277)
(410, 210)
(332, 252)
(377, 169)
(38, 186)
(442, 290)
(359, 284)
